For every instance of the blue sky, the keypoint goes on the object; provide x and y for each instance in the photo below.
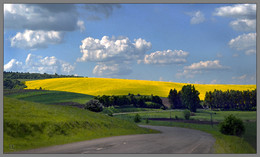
(189, 43)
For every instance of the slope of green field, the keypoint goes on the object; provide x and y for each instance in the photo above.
(30, 125)
(107, 86)
(50, 97)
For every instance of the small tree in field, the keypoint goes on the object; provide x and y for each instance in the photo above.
(137, 118)
(94, 105)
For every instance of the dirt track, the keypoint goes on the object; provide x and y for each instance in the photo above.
(171, 140)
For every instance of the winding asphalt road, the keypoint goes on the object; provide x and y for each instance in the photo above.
(170, 140)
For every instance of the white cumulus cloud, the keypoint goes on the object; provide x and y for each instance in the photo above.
(39, 64)
(201, 67)
(81, 25)
(113, 55)
(166, 57)
(244, 25)
(30, 39)
(13, 65)
(108, 49)
(206, 65)
(245, 15)
(111, 69)
(244, 42)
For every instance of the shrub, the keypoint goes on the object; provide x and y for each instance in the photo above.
(186, 114)
(137, 118)
(232, 126)
(94, 105)
(153, 105)
(147, 121)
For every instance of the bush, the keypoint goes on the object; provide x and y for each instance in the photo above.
(232, 126)
(94, 105)
(137, 118)
(147, 121)
(176, 117)
(186, 114)
(108, 111)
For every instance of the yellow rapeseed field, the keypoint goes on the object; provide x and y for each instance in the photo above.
(108, 86)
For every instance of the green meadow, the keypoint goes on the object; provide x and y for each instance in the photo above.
(50, 97)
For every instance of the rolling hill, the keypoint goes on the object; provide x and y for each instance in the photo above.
(108, 86)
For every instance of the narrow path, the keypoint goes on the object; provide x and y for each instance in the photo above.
(171, 140)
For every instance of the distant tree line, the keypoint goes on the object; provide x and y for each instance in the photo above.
(231, 100)
(186, 98)
(131, 99)
(13, 84)
(27, 75)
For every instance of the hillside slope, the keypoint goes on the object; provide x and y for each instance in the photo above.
(107, 86)
(30, 125)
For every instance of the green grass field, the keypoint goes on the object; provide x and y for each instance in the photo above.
(50, 97)
(199, 115)
(107, 86)
(30, 125)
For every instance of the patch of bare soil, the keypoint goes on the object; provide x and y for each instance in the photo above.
(183, 121)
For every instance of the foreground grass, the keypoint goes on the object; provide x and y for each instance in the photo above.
(106, 86)
(48, 97)
(224, 144)
(29, 125)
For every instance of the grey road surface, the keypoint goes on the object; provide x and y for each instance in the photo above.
(171, 140)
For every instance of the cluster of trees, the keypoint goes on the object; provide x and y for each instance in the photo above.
(186, 98)
(231, 100)
(27, 75)
(131, 99)
(13, 84)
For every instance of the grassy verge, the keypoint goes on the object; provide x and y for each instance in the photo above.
(30, 125)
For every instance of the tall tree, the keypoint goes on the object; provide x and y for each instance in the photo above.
(190, 97)
(175, 99)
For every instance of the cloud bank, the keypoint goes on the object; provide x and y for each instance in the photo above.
(244, 15)
(39, 64)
